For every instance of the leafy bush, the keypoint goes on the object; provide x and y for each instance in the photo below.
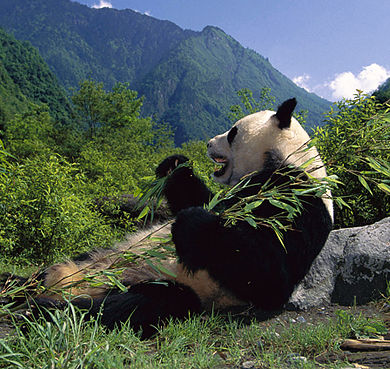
(355, 145)
(46, 207)
(44, 211)
(30, 133)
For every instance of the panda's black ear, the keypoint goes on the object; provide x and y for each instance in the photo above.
(232, 134)
(284, 113)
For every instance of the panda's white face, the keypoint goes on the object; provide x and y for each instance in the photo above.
(240, 151)
(243, 149)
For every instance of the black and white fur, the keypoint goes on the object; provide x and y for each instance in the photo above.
(218, 266)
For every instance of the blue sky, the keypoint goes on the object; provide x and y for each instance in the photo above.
(330, 47)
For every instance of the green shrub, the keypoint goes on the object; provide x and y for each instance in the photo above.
(44, 212)
(29, 133)
(355, 145)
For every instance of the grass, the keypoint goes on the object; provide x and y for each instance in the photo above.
(215, 341)
(70, 341)
(16, 269)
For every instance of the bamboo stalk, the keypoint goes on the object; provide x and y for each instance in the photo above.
(365, 345)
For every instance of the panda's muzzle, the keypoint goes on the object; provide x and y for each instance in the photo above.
(220, 161)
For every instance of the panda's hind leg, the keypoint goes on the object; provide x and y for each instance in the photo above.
(145, 304)
(68, 277)
(148, 304)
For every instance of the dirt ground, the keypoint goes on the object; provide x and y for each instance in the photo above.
(314, 316)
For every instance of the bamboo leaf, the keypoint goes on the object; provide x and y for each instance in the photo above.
(214, 201)
(159, 240)
(283, 206)
(364, 184)
(341, 203)
(152, 265)
(253, 205)
(156, 254)
(374, 164)
(116, 282)
(384, 187)
(307, 163)
(144, 212)
(251, 222)
(112, 273)
(166, 271)
(332, 179)
(169, 248)
(301, 192)
(279, 235)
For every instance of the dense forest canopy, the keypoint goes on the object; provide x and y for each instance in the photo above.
(26, 77)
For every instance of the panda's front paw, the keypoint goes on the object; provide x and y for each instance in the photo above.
(169, 164)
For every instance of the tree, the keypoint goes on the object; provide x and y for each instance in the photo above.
(30, 133)
(119, 146)
(101, 114)
(89, 103)
(122, 108)
(4, 164)
(250, 104)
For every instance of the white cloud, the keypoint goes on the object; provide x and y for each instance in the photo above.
(102, 4)
(147, 12)
(346, 84)
(302, 81)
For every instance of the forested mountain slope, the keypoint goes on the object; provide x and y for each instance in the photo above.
(25, 77)
(383, 92)
(78, 42)
(189, 78)
(197, 83)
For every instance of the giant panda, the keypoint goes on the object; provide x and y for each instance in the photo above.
(218, 266)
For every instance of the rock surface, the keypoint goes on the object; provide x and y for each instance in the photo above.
(353, 267)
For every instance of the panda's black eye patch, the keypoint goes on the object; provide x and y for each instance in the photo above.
(232, 133)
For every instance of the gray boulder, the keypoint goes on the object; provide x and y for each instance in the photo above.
(353, 267)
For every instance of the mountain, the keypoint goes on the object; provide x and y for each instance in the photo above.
(197, 83)
(78, 42)
(189, 78)
(25, 77)
(383, 92)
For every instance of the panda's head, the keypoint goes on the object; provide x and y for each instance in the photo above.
(248, 146)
